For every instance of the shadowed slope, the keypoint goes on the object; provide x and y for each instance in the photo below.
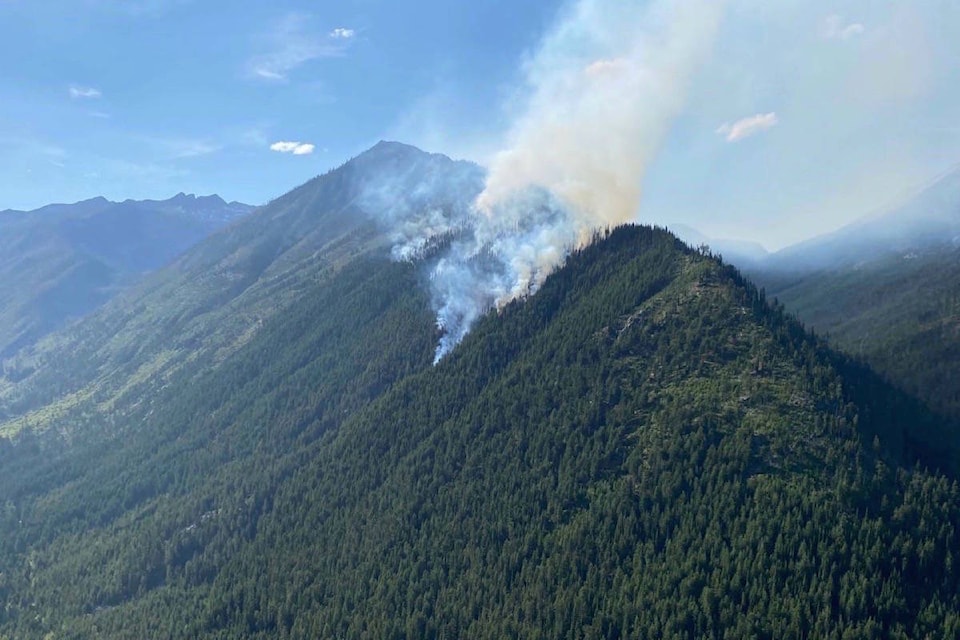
(644, 448)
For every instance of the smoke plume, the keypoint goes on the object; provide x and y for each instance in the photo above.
(605, 86)
(602, 90)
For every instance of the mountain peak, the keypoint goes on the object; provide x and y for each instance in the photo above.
(190, 199)
(389, 176)
(383, 145)
(212, 199)
(392, 151)
(386, 150)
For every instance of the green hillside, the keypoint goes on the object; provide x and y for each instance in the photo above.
(886, 289)
(645, 448)
(187, 318)
(901, 314)
(60, 262)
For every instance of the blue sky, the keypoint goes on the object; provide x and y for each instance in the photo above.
(805, 115)
(145, 98)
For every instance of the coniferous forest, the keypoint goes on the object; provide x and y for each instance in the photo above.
(647, 447)
(900, 314)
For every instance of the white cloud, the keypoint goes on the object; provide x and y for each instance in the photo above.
(291, 44)
(296, 148)
(268, 74)
(84, 92)
(172, 147)
(746, 127)
(192, 148)
(255, 136)
(51, 150)
(852, 30)
(33, 146)
(835, 28)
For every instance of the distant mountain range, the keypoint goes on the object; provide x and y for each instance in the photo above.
(61, 261)
(885, 288)
(927, 221)
(738, 251)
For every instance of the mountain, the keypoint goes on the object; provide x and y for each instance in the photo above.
(887, 289)
(254, 443)
(928, 220)
(218, 295)
(740, 252)
(59, 262)
(900, 313)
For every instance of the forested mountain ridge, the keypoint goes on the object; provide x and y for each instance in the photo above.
(60, 262)
(216, 296)
(643, 448)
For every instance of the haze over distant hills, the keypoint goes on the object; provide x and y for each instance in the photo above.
(738, 251)
(61, 261)
(886, 288)
(927, 221)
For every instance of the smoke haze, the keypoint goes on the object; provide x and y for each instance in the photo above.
(602, 90)
(605, 86)
(791, 120)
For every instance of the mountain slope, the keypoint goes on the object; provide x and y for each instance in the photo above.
(902, 315)
(926, 220)
(886, 289)
(644, 448)
(62, 261)
(217, 296)
(556, 478)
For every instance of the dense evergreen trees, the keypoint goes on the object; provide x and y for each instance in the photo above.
(645, 448)
(900, 313)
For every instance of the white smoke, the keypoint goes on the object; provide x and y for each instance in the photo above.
(603, 89)
(496, 259)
